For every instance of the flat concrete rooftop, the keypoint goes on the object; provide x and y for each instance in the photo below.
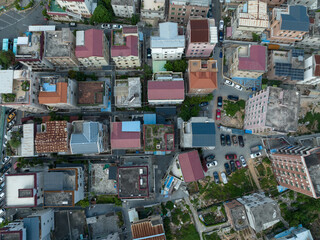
(58, 43)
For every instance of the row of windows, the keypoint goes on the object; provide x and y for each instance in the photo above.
(296, 184)
(292, 174)
(283, 159)
(184, 9)
(291, 168)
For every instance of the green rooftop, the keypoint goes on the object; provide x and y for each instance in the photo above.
(54, 7)
(158, 66)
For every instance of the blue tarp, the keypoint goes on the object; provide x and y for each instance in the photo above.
(248, 131)
(237, 131)
(5, 44)
(281, 188)
(133, 126)
(140, 36)
(15, 43)
(150, 118)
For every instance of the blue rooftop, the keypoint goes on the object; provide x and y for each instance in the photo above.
(296, 20)
(203, 134)
(32, 226)
(133, 126)
(47, 87)
(150, 118)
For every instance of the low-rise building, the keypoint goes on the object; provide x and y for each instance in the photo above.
(63, 186)
(57, 92)
(311, 40)
(236, 215)
(87, 137)
(153, 9)
(202, 76)
(123, 8)
(248, 61)
(53, 137)
(92, 49)
(198, 132)
(19, 89)
(158, 138)
(125, 135)
(250, 17)
(127, 93)
(272, 110)
(201, 37)
(166, 88)
(13, 231)
(190, 165)
(151, 228)
(24, 190)
(57, 13)
(83, 7)
(168, 45)
(125, 47)
(262, 212)
(59, 48)
(181, 11)
(288, 25)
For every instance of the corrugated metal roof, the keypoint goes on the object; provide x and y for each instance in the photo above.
(191, 166)
(27, 141)
(296, 20)
(42, 28)
(32, 226)
(168, 37)
(203, 134)
(6, 80)
(149, 118)
(133, 126)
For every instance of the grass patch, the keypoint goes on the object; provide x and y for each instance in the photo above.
(120, 219)
(105, 199)
(231, 107)
(311, 118)
(188, 232)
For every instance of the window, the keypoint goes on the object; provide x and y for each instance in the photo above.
(173, 9)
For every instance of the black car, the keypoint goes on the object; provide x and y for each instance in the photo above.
(219, 102)
(227, 168)
(210, 157)
(148, 53)
(233, 166)
(228, 140)
(222, 140)
(220, 36)
(233, 98)
(216, 177)
(241, 142)
(203, 104)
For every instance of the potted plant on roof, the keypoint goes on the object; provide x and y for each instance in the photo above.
(25, 86)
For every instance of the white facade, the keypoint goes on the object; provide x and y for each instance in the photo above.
(310, 75)
(169, 45)
(153, 9)
(311, 4)
(79, 7)
(123, 8)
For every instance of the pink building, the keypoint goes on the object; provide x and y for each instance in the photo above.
(201, 37)
(272, 111)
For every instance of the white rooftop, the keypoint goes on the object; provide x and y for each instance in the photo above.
(80, 38)
(254, 14)
(23, 40)
(169, 37)
(6, 81)
(42, 28)
(27, 141)
(16, 182)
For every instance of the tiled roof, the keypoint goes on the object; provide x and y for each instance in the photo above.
(144, 230)
(199, 30)
(53, 139)
(191, 166)
(202, 78)
(165, 90)
(296, 20)
(93, 44)
(256, 61)
(124, 140)
(127, 30)
(60, 96)
(317, 67)
(130, 49)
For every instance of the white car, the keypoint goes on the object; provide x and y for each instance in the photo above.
(2, 195)
(114, 26)
(254, 155)
(2, 179)
(238, 87)
(6, 159)
(2, 211)
(1, 219)
(221, 1)
(224, 178)
(229, 83)
(103, 25)
(211, 164)
(221, 24)
(243, 161)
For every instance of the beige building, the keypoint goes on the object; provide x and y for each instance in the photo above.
(82, 7)
(59, 48)
(92, 49)
(251, 17)
(125, 47)
(153, 9)
(123, 8)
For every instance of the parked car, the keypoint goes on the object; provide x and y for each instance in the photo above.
(2, 195)
(114, 26)
(228, 140)
(72, 24)
(231, 156)
(11, 116)
(228, 83)
(210, 157)
(233, 98)
(216, 177)
(221, 25)
(227, 168)
(219, 102)
(222, 140)
(148, 53)
(234, 140)
(224, 178)
(119, 26)
(220, 54)
(243, 161)
(212, 164)
(238, 87)
(2, 211)
(1, 178)
(2, 219)
(203, 104)
(218, 114)
(254, 155)
(104, 25)
(221, 1)
(220, 36)
(233, 166)
(238, 164)
(241, 142)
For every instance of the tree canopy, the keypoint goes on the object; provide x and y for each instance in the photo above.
(101, 15)
(176, 66)
(7, 58)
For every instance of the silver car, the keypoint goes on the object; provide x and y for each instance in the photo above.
(243, 161)
(224, 178)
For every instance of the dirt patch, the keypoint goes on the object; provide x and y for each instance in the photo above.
(235, 122)
(90, 92)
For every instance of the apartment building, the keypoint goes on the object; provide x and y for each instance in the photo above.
(288, 25)
(297, 168)
(272, 111)
(201, 37)
(59, 48)
(123, 8)
(153, 9)
(168, 45)
(92, 49)
(250, 17)
(312, 70)
(181, 11)
(248, 61)
(58, 13)
(14, 231)
(83, 7)
(57, 92)
(272, 3)
(202, 76)
(312, 38)
(19, 89)
(125, 47)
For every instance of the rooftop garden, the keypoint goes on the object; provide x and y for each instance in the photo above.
(156, 138)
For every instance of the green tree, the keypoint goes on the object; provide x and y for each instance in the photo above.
(7, 58)
(101, 15)
(176, 66)
(170, 205)
(135, 19)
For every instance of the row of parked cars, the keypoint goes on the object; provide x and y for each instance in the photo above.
(232, 84)
(110, 26)
(233, 140)
(234, 164)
